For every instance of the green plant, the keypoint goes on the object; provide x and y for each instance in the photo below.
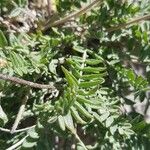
(77, 82)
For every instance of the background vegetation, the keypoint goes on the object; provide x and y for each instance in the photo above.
(74, 74)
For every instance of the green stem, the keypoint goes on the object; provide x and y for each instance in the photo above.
(78, 138)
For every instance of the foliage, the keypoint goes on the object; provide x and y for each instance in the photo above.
(101, 100)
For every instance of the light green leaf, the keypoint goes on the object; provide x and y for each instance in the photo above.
(33, 134)
(104, 116)
(109, 121)
(82, 110)
(93, 70)
(131, 75)
(97, 117)
(53, 65)
(61, 122)
(52, 119)
(69, 122)
(85, 100)
(93, 61)
(92, 76)
(3, 40)
(3, 117)
(91, 83)
(16, 12)
(72, 81)
(28, 144)
(13, 40)
(78, 49)
(76, 115)
(120, 130)
(113, 129)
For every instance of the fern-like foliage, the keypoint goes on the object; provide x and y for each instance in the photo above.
(91, 68)
(83, 103)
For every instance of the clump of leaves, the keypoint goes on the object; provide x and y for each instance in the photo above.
(74, 84)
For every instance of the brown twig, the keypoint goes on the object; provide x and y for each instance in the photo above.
(20, 113)
(72, 15)
(25, 82)
(124, 25)
(49, 7)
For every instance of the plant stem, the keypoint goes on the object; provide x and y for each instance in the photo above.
(124, 25)
(78, 138)
(16, 131)
(13, 147)
(20, 112)
(72, 15)
(25, 82)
